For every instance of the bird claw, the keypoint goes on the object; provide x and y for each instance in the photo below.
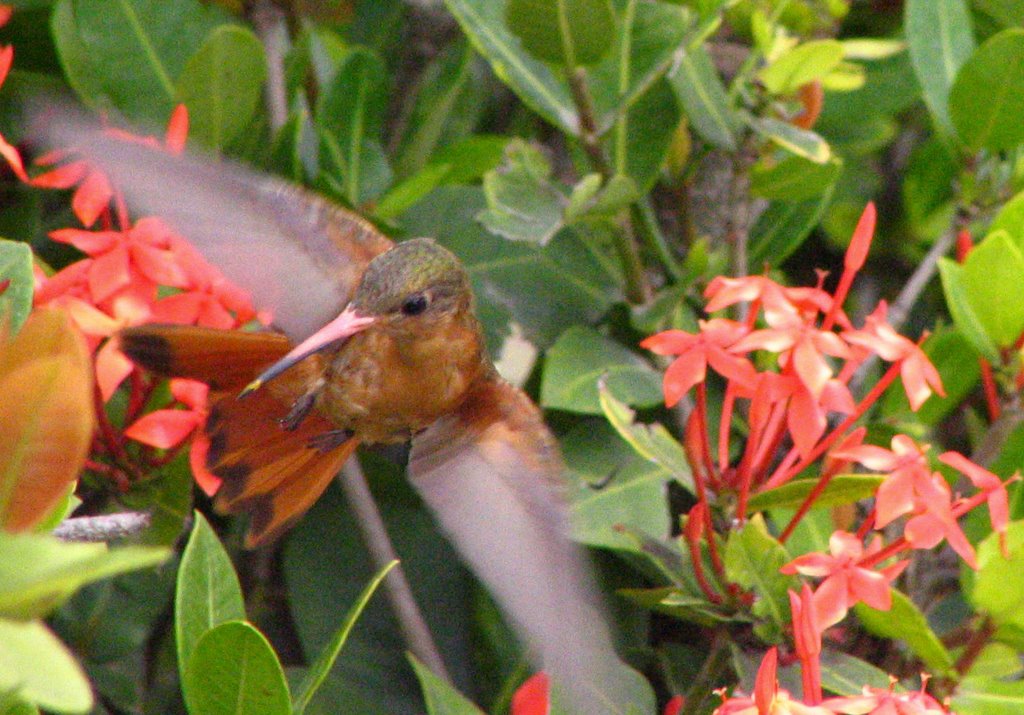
(298, 412)
(326, 441)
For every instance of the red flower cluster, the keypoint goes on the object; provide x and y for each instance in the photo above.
(133, 272)
(813, 351)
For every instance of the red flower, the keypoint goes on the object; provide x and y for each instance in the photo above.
(907, 470)
(845, 582)
(532, 697)
(876, 701)
(991, 485)
(696, 352)
(769, 698)
(920, 378)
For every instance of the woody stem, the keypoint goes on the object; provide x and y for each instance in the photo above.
(382, 552)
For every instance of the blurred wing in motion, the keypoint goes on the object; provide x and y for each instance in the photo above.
(491, 473)
(297, 254)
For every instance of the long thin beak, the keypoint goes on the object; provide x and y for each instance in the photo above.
(341, 328)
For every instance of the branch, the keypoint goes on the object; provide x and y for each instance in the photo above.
(371, 524)
(107, 527)
(272, 28)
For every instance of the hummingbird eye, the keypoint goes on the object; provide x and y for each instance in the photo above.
(414, 304)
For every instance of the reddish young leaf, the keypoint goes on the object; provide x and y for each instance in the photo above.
(46, 417)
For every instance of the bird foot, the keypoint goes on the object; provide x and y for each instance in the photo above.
(298, 412)
(326, 441)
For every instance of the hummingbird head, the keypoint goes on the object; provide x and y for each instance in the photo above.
(413, 281)
(416, 277)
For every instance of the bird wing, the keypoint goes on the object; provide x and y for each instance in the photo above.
(492, 474)
(299, 255)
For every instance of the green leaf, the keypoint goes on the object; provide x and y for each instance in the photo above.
(533, 81)
(234, 671)
(16, 298)
(350, 112)
(997, 588)
(459, 163)
(804, 63)
(842, 489)
(704, 99)
(589, 199)
(783, 227)
(753, 558)
(207, 591)
(222, 84)
(652, 442)
(326, 565)
(128, 55)
(940, 40)
(794, 179)
(801, 142)
(643, 137)
(1011, 219)
(991, 280)
(447, 108)
(522, 202)
(580, 358)
(442, 698)
(565, 32)
(569, 281)
(38, 572)
(612, 489)
(967, 321)
(987, 98)
(319, 670)
(988, 696)
(844, 674)
(905, 622)
(1009, 13)
(41, 669)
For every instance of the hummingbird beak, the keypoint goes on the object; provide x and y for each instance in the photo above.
(341, 328)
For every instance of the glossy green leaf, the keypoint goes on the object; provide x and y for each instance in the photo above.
(842, 489)
(535, 83)
(643, 137)
(234, 671)
(441, 697)
(1009, 13)
(988, 696)
(222, 84)
(580, 358)
(704, 99)
(646, 46)
(1011, 219)
(991, 280)
(326, 568)
(651, 441)
(940, 40)
(794, 179)
(612, 488)
(844, 674)
(448, 104)
(565, 32)
(16, 297)
(753, 558)
(523, 204)
(802, 64)
(967, 320)
(997, 588)
(905, 622)
(801, 142)
(38, 572)
(318, 671)
(987, 98)
(589, 199)
(351, 113)
(207, 592)
(784, 226)
(569, 281)
(128, 55)
(41, 669)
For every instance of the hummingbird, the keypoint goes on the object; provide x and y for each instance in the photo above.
(372, 342)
